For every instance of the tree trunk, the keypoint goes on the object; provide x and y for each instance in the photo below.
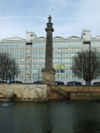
(88, 82)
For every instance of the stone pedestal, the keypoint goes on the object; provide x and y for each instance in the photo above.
(48, 76)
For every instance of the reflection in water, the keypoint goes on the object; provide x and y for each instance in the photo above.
(47, 126)
(89, 126)
(54, 117)
(47, 130)
(86, 118)
(6, 104)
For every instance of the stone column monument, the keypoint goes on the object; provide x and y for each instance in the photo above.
(48, 72)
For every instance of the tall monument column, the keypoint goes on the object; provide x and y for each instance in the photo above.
(48, 72)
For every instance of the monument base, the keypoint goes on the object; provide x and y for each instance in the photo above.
(48, 76)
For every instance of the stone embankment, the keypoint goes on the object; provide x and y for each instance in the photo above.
(31, 92)
(23, 92)
(74, 92)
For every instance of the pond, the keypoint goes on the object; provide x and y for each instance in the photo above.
(50, 117)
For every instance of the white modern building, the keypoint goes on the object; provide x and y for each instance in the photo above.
(29, 54)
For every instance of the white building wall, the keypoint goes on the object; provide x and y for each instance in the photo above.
(63, 51)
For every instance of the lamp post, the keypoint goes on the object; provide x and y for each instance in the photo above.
(89, 43)
(90, 56)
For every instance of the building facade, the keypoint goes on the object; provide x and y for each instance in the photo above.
(29, 54)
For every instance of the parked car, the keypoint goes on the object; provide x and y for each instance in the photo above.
(59, 83)
(96, 83)
(74, 83)
(16, 82)
(38, 82)
(2, 81)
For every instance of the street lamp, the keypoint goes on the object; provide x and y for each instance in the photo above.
(89, 43)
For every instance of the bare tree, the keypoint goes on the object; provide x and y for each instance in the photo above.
(13, 70)
(86, 65)
(8, 67)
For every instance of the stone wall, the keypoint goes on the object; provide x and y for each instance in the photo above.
(77, 88)
(75, 92)
(85, 96)
(24, 91)
(31, 92)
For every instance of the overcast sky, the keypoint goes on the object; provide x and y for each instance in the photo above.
(70, 17)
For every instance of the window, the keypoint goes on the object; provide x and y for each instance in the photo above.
(62, 70)
(31, 35)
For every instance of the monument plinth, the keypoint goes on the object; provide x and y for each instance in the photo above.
(48, 72)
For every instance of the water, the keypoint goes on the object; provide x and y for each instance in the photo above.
(53, 117)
